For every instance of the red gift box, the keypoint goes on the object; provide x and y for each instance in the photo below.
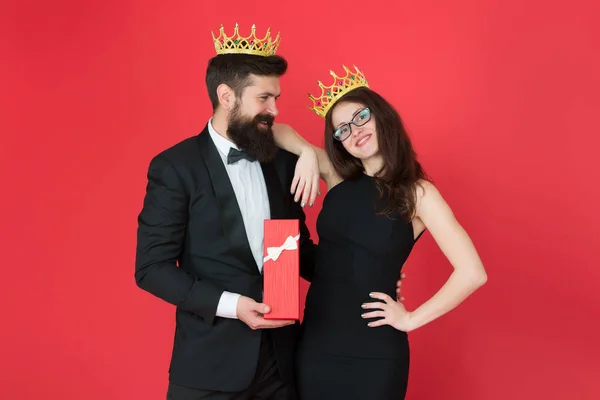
(281, 269)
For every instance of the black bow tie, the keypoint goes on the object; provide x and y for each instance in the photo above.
(236, 155)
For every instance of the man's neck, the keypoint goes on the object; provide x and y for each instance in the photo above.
(219, 124)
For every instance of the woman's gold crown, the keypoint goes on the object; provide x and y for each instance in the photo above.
(340, 86)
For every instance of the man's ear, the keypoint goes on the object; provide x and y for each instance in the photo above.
(226, 96)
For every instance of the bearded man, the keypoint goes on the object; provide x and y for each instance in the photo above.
(200, 234)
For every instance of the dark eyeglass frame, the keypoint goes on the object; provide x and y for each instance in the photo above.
(337, 133)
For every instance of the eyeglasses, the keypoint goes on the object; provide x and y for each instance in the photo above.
(360, 118)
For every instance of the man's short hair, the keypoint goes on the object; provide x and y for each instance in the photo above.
(234, 70)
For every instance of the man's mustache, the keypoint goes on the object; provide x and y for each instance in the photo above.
(267, 118)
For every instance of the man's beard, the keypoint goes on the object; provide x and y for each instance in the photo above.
(252, 136)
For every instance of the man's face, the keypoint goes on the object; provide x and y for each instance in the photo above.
(251, 119)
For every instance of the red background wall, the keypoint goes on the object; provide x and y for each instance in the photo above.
(501, 99)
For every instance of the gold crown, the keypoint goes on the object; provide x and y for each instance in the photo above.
(340, 86)
(237, 44)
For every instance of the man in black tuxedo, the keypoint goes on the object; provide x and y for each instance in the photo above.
(200, 239)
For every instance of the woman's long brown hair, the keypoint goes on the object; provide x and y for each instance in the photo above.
(401, 172)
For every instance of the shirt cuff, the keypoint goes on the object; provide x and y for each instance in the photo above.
(227, 307)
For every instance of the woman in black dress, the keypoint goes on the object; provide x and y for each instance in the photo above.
(354, 342)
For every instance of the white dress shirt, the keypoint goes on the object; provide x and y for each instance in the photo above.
(251, 193)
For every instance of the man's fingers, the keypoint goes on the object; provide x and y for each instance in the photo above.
(262, 323)
(261, 308)
(276, 323)
(256, 320)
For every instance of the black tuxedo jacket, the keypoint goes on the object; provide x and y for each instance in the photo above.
(192, 246)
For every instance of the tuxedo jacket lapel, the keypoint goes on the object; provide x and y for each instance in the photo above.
(229, 210)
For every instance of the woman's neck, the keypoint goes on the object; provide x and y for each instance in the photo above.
(372, 165)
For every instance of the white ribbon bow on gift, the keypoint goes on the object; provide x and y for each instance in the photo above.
(273, 253)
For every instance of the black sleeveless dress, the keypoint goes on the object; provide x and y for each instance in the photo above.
(339, 356)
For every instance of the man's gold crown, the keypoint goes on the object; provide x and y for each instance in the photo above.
(237, 44)
(340, 86)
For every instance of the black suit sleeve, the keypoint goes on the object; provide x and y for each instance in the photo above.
(161, 231)
(308, 248)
